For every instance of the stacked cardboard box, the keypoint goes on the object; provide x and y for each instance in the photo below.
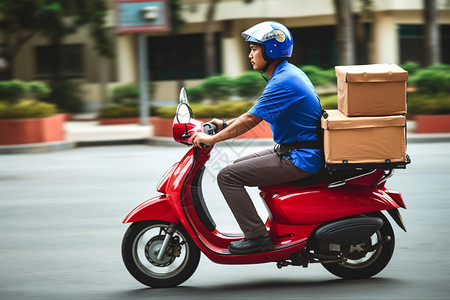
(369, 126)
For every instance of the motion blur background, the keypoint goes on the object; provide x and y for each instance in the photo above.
(78, 41)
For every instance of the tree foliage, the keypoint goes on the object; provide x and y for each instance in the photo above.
(54, 19)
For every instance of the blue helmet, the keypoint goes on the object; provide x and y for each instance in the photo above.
(275, 38)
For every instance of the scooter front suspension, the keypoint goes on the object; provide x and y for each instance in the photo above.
(169, 232)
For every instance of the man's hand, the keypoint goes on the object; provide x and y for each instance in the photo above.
(200, 138)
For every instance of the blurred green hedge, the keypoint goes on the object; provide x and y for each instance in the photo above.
(19, 100)
(432, 96)
(129, 92)
(66, 95)
(422, 104)
(226, 109)
(431, 80)
(12, 91)
(249, 85)
(26, 109)
(119, 111)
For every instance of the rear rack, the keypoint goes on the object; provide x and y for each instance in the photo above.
(369, 166)
(344, 181)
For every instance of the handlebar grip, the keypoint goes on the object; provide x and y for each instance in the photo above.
(210, 128)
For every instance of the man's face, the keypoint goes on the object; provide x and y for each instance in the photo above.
(256, 57)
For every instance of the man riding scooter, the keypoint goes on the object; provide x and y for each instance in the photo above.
(291, 106)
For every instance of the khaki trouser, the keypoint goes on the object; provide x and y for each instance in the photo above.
(258, 169)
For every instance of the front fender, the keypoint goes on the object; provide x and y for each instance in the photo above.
(156, 208)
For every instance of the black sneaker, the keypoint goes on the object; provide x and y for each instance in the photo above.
(245, 246)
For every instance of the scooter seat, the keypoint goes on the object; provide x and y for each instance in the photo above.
(327, 176)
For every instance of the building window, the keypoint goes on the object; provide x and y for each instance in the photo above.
(180, 57)
(70, 64)
(412, 42)
(314, 46)
(445, 43)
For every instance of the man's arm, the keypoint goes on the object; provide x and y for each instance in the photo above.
(235, 128)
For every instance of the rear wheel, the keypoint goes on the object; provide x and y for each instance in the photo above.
(362, 264)
(140, 248)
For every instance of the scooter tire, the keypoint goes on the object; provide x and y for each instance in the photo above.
(172, 270)
(375, 264)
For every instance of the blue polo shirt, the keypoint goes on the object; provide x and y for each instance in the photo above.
(291, 106)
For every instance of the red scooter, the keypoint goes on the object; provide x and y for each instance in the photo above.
(334, 218)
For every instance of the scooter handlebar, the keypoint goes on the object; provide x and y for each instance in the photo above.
(210, 129)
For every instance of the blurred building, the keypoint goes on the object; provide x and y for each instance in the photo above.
(390, 32)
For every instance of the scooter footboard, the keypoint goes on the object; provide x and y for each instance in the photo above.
(156, 208)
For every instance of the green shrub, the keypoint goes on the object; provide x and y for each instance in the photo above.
(38, 90)
(447, 82)
(125, 93)
(12, 90)
(429, 81)
(26, 109)
(228, 109)
(410, 67)
(432, 80)
(66, 95)
(249, 84)
(428, 104)
(319, 76)
(128, 93)
(166, 111)
(231, 109)
(218, 87)
(439, 67)
(196, 93)
(125, 111)
(328, 101)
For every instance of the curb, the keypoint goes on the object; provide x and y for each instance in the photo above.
(118, 142)
(429, 138)
(37, 148)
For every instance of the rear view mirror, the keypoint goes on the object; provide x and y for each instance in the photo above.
(183, 96)
(184, 113)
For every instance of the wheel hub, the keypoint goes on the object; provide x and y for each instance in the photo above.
(358, 251)
(152, 249)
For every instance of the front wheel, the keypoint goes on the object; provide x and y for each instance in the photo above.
(361, 264)
(140, 249)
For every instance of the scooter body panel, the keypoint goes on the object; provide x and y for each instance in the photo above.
(318, 205)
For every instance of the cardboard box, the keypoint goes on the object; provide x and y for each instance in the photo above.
(361, 140)
(371, 90)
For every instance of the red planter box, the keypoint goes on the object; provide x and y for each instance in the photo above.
(163, 127)
(31, 131)
(432, 123)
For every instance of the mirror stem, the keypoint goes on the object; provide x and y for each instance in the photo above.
(186, 135)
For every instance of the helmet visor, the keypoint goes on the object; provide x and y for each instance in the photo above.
(261, 32)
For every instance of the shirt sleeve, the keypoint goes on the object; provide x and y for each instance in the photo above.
(272, 103)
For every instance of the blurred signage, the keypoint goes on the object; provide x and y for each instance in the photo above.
(142, 15)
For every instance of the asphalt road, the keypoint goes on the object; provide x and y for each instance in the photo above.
(61, 230)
